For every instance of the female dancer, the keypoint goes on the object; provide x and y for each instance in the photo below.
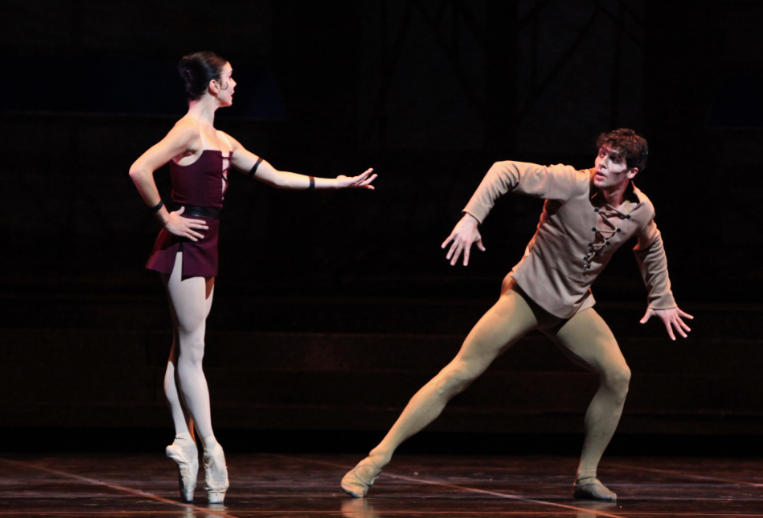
(185, 253)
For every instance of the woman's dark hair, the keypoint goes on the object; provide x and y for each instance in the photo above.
(197, 70)
(626, 144)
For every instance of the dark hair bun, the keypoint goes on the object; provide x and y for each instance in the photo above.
(197, 70)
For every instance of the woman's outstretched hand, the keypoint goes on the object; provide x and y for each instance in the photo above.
(362, 181)
(461, 239)
(184, 227)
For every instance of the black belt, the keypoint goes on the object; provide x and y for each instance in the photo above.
(196, 211)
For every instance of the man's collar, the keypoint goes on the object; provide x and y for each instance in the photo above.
(632, 193)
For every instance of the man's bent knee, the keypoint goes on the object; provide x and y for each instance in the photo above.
(618, 379)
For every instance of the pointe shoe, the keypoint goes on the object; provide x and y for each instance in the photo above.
(188, 468)
(354, 485)
(215, 488)
(591, 488)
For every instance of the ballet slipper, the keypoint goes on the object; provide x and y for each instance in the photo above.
(591, 488)
(188, 468)
(353, 484)
(215, 459)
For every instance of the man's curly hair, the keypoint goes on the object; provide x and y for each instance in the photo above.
(626, 144)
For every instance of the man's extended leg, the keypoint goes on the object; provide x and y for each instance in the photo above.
(589, 341)
(502, 326)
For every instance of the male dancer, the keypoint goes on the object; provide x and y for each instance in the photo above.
(586, 217)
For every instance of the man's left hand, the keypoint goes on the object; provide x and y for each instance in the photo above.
(671, 318)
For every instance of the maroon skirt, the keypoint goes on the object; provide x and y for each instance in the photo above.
(199, 258)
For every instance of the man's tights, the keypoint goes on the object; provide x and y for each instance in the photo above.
(585, 338)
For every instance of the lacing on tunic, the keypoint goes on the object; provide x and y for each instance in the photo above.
(604, 230)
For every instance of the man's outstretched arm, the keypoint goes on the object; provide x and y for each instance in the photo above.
(653, 263)
(547, 182)
(555, 182)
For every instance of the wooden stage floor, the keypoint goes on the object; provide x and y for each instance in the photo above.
(301, 485)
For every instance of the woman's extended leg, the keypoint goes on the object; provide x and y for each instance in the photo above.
(181, 417)
(503, 325)
(191, 301)
(183, 449)
(590, 342)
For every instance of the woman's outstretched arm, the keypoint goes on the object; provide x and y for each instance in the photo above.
(245, 161)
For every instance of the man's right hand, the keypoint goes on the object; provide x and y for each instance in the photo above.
(461, 239)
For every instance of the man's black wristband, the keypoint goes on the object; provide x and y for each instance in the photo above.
(312, 183)
(157, 207)
(254, 168)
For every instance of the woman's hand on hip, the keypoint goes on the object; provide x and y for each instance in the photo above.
(184, 227)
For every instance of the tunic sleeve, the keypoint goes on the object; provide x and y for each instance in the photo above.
(653, 264)
(556, 182)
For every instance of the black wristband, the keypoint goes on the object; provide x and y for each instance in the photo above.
(253, 170)
(156, 208)
(312, 183)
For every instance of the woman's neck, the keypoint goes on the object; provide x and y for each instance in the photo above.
(203, 110)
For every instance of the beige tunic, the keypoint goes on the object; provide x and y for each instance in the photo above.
(577, 234)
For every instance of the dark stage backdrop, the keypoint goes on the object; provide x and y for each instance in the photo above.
(429, 93)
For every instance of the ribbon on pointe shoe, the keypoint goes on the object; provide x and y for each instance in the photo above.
(215, 489)
(188, 468)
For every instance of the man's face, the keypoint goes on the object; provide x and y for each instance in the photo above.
(611, 172)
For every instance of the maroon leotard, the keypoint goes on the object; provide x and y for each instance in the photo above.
(203, 184)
